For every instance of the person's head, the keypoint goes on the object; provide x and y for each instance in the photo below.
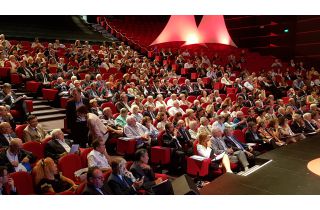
(313, 107)
(15, 146)
(5, 128)
(176, 104)
(124, 97)
(57, 134)
(169, 127)
(274, 123)
(3, 111)
(181, 124)
(82, 111)
(240, 115)
(93, 103)
(216, 132)
(123, 112)
(220, 118)
(45, 168)
(6, 88)
(107, 112)
(99, 146)
(118, 166)
(252, 126)
(131, 121)
(95, 177)
(142, 156)
(174, 97)
(135, 109)
(281, 110)
(32, 121)
(76, 94)
(228, 131)
(203, 139)
(307, 116)
(204, 121)
(283, 121)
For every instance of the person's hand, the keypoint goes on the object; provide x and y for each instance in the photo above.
(25, 160)
(15, 163)
(230, 151)
(249, 154)
(158, 181)
(11, 183)
(138, 183)
(250, 148)
(73, 188)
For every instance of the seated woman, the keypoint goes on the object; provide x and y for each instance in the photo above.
(190, 116)
(266, 136)
(204, 150)
(6, 184)
(183, 100)
(140, 169)
(147, 122)
(95, 109)
(176, 118)
(161, 119)
(274, 131)
(286, 132)
(205, 98)
(313, 98)
(48, 180)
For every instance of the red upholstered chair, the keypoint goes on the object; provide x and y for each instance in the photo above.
(231, 90)
(184, 71)
(197, 167)
(206, 80)
(53, 70)
(191, 98)
(35, 147)
(126, 147)
(181, 80)
(49, 94)
(160, 155)
(184, 107)
(69, 164)
(223, 96)
(23, 182)
(162, 176)
(29, 105)
(15, 79)
(111, 105)
(19, 130)
(32, 86)
(245, 110)
(285, 100)
(80, 188)
(239, 135)
(232, 96)
(83, 156)
(4, 72)
(194, 76)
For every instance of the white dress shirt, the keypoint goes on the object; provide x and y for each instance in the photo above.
(173, 110)
(65, 145)
(203, 151)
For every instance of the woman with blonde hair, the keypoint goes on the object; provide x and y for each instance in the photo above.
(190, 115)
(49, 180)
(204, 150)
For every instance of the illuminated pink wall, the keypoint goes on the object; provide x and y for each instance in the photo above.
(179, 28)
(212, 29)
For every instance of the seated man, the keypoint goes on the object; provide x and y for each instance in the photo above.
(110, 121)
(94, 184)
(15, 158)
(240, 121)
(252, 135)
(33, 131)
(233, 143)
(9, 98)
(121, 181)
(185, 137)
(6, 134)
(99, 157)
(310, 127)
(58, 146)
(137, 131)
(219, 146)
(175, 109)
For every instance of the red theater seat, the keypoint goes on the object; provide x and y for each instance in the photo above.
(23, 182)
(160, 155)
(239, 135)
(32, 86)
(49, 94)
(35, 147)
(111, 105)
(83, 156)
(126, 147)
(19, 130)
(69, 164)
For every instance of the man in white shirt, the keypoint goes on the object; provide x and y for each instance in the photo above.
(175, 109)
(137, 131)
(172, 99)
(219, 123)
(248, 84)
(99, 156)
(225, 80)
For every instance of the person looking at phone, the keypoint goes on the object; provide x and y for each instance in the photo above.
(99, 157)
(6, 183)
(121, 181)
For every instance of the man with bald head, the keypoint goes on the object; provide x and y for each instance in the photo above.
(15, 158)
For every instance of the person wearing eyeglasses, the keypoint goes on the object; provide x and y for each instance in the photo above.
(6, 183)
(95, 183)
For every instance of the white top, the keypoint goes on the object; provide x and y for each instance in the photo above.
(158, 103)
(98, 159)
(135, 132)
(170, 102)
(204, 152)
(188, 65)
(248, 85)
(12, 158)
(173, 110)
(217, 124)
(65, 145)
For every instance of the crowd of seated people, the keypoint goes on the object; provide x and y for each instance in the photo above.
(113, 92)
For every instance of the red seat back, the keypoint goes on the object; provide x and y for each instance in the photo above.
(84, 154)
(111, 105)
(69, 164)
(35, 147)
(239, 135)
(19, 130)
(23, 182)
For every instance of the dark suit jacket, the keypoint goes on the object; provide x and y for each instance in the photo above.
(120, 105)
(250, 138)
(23, 71)
(4, 142)
(296, 128)
(4, 161)
(138, 173)
(231, 144)
(147, 113)
(170, 141)
(6, 98)
(54, 149)
(90, 190)
(40, 77)
(308, 128)
(71, 112)
(119, 187)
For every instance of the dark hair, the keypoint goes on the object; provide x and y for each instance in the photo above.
(6, 85)
(82, 109)
(145, 119)
(95, 143)
(251, 124)
(139, 153)
(281, 120)
(91, 171)
(2, 168)
(31, 117)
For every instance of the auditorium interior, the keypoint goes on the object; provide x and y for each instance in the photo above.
(159, 105)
